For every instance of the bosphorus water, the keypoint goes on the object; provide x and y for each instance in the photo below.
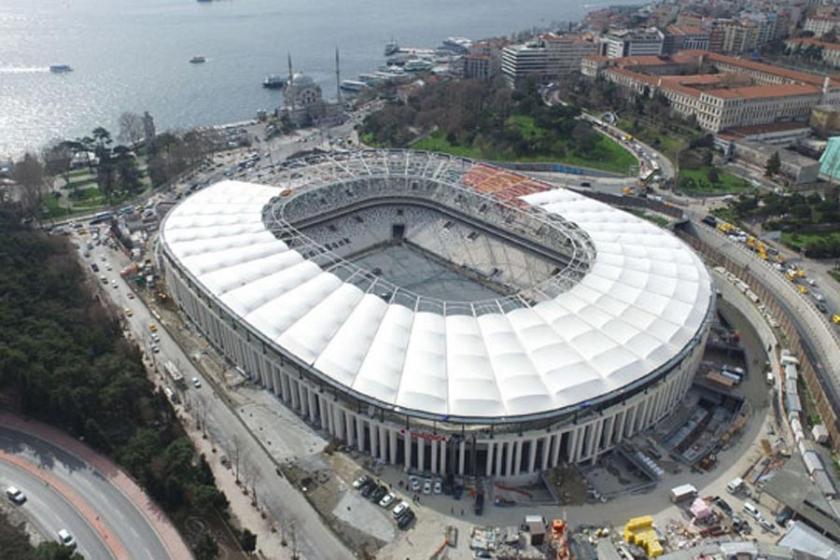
(133, 55)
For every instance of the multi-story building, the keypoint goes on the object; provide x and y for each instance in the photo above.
(550, 56)
(632, 42)
(740, 37)
(828, 52)
(681, 38)
(741, 93)
(478, 66)
(820, 25)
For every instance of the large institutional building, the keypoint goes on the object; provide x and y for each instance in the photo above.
(741, 92)
(442, 314)
(546, 58)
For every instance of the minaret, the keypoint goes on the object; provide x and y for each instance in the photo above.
(289, 93)
(337, 78)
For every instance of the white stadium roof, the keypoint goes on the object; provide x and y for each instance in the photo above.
(644, 299)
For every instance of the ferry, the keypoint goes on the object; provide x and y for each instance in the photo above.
(274, 81)
(352, 86)
(198, 60)
(457, 44)
(60, 68)
(418, 65)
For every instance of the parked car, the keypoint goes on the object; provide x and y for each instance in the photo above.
(415, 484)
(378, 493)
(405, 519)
(196, 382)
(400, 508)
(724, 506)
(438, 486)
(427, 486)
(784, 516)
(368, 489)
(15, 495)
(359, 482)
(387, 500)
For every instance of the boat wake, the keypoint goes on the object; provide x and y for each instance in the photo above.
(24, 69)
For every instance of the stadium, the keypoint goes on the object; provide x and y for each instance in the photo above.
(440, 313)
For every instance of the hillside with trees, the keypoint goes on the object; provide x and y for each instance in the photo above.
(489, 121)
(63, 360)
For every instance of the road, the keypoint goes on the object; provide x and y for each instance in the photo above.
(120, 516)
(315, 540)
(49, 511)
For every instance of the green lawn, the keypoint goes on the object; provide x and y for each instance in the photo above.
(727, 182)
(607, 155)
(835, 273)
(668, 142)
(797, 241)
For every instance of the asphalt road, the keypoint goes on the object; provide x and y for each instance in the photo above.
(49, 512)
(315, 541)
(120, 516)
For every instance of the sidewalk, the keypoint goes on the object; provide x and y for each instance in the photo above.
(169, 536)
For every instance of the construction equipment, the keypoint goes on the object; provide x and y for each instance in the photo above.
(835, 319)
(725, 227)
(558, 541)
(802, 290)
(640, 531)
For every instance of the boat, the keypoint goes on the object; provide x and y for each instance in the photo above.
(198, 60)
(274, 81)
(353, 86)
(60, 68)
(418, 65)
(459, 45)
(370, 79)
(391, 48)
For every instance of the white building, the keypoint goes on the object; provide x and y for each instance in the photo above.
(632, 42)
(549, 57)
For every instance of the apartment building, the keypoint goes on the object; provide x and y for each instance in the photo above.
(632, 42)
(550, 56)
(820, 25)
(829, 52)
(682, 37)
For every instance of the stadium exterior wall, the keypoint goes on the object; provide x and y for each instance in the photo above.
(516, 451)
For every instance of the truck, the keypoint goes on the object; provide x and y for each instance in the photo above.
(683, 492)
(174, 374)
(735, 485)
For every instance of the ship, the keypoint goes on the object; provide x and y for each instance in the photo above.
(391, 48)
(198, 60)
(274, 81)
(352, 86)
(60, 68)
(460, 45)
(418, 65)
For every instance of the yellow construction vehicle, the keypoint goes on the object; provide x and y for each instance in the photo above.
(791, 275)
(835, 319)
(725, 228)
(802, 290)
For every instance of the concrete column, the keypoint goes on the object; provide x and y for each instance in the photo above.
(489, 468)
(546, 451)
(461, 450)
(313, 407)
(304, 412)
(374, 439)
(421, 454)
(383, 444)
(392, 445)
(434, 447)
(509, 458)
(609, 428)
(500, 446)
(517, 459)
(407, 450)
(339, 428)
(558, 444)
(532, 454)
(581, 442)
(275, 381)
(348, 425)
(570, 449)
(443, 445)
(284, 386)
(360, 433)
(322, 412)
(596, 439)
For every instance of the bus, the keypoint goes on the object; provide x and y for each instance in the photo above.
(172, 371)
(101, 217)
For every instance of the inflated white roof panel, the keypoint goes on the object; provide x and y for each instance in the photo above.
(642, 301)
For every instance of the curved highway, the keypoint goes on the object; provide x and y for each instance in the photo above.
(122, 525)
(49, 511)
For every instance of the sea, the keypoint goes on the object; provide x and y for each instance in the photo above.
(133, 55)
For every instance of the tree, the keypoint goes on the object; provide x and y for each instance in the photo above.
(102, 140)
(774, 164)
(248, 541)
(51, 550)
(57, 157)
(132, 130)
(206, 548)
(28, 173)
(713, 175)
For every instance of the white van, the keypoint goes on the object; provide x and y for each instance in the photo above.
(735, 485)
(750, 509)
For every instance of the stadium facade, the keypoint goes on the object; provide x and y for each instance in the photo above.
(441, 313)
